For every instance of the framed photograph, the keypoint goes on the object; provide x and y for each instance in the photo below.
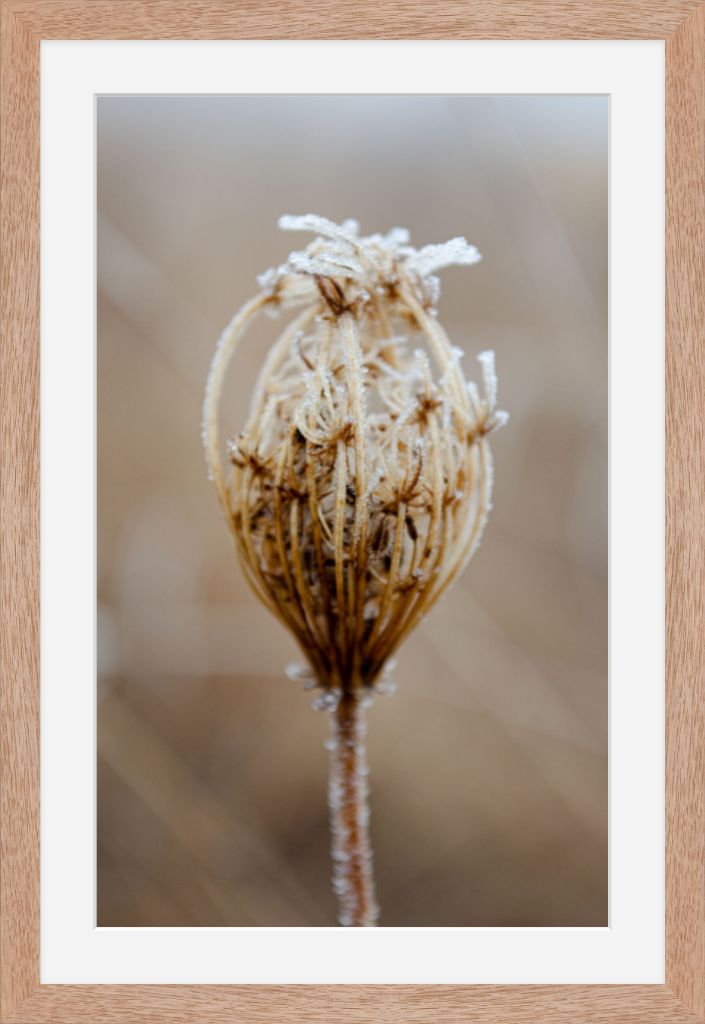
(352, 504)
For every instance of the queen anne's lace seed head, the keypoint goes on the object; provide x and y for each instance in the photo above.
(361, 483)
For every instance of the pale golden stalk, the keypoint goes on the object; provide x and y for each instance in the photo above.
(360, 484)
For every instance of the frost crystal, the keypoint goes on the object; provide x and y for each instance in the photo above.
(435, 257)
(489, 377)
(326, 701)
(386, 687)
(371, 264)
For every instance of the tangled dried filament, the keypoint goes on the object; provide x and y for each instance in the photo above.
(361, 482)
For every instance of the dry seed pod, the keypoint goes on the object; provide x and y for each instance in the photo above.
(360, 484)
(361, 481)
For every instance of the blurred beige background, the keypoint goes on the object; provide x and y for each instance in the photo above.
(489, 765)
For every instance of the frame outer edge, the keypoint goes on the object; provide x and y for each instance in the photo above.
(359, 19)
(19, 596)
(685, 512)
(353, 1004)
(19, 513)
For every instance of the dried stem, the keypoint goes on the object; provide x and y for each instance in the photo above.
(353, 878)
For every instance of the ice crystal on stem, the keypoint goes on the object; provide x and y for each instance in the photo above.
(360, 483)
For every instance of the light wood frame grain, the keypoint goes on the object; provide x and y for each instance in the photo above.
(24, 23)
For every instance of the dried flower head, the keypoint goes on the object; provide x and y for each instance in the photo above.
(360, 484)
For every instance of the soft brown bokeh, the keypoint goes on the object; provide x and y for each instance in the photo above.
(489, 765)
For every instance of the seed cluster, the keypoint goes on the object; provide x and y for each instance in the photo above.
(360, 484)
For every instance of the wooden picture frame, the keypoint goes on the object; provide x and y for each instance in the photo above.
(24, 24)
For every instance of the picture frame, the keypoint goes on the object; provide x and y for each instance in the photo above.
(24, 24)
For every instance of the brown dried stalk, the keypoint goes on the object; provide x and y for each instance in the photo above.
(360, 484)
